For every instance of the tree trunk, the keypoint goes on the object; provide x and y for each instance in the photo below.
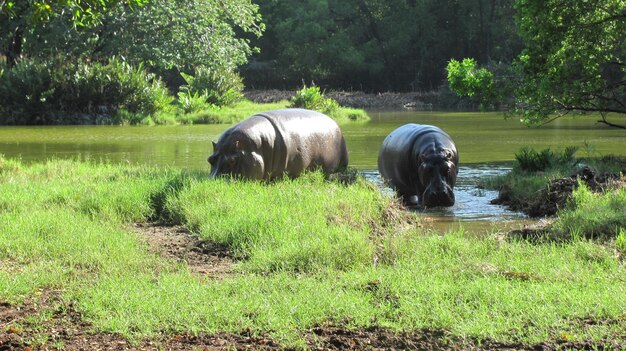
(14, 50)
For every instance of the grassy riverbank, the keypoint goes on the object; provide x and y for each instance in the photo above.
(305, 253)
(245, 109)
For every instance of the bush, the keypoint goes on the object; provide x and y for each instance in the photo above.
(219, 86)
(25, 91)
(530, 160)
(192, 102)
(59, 92)
(312, 98)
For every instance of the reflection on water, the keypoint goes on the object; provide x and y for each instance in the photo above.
(472, 210)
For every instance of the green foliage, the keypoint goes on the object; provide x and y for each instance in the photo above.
(312, 98)
(229, 114)
(35, 92)
(160, 34)
(219, 86)
(377, 45)
(466, 79)
(83, 12)
(573, 60)
(593, 215)
(192, 102)
(530, 160)
(620, 241)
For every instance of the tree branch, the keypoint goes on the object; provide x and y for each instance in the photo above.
(604, 121)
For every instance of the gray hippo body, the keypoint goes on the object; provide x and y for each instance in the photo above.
(420, 161)
(271, 144)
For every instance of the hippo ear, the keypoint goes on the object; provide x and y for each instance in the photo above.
(214, 145)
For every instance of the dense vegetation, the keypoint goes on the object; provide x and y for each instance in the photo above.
(377, 45)
(306, 252)
(574, 60)
(80, 51)
(534, 57)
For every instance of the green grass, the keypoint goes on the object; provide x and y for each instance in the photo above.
(523, 187)
(593, 215)
(242, 110)
(230, 114)
(309, 251)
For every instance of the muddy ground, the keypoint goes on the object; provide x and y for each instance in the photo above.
(559, 191)
(411, 101)
(22, 326)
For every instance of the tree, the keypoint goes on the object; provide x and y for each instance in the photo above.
(574, 59)
(18, 18)
(160, 34)
(378, 45)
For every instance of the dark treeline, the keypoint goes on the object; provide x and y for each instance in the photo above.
(377, 45)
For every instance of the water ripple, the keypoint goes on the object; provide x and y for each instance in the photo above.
(472, 203)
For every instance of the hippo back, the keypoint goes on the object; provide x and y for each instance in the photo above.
(306, 140)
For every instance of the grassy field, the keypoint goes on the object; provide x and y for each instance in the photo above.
(307, 252)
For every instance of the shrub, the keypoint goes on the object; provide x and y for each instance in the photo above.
(192, 102)
(59, 92)
(220, 86)
(25, 91)
(530, 160)
(312, 98)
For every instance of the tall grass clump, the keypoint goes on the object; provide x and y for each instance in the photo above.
(593, 215)
(305, 224)
(530, 160)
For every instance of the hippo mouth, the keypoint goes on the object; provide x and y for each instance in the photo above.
(441, 198)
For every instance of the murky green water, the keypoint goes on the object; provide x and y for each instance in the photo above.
(481, 138)
(486, 142)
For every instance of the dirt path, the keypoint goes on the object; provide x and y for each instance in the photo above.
(203, 257)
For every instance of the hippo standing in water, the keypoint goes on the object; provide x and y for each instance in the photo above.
(271, 144)
(420, 161)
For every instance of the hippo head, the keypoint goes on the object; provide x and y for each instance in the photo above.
(437, 173)
(234, 157)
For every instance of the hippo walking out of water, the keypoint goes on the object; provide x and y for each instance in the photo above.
(420, 162)
(271, 144)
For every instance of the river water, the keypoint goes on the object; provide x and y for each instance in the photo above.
(486, 142)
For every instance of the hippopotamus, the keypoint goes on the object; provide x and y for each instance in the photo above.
(272, 144)
(420, 162)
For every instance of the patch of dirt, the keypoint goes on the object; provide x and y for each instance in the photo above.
(558, 192)
(203, 257)
(411, 101)
(24, 327)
